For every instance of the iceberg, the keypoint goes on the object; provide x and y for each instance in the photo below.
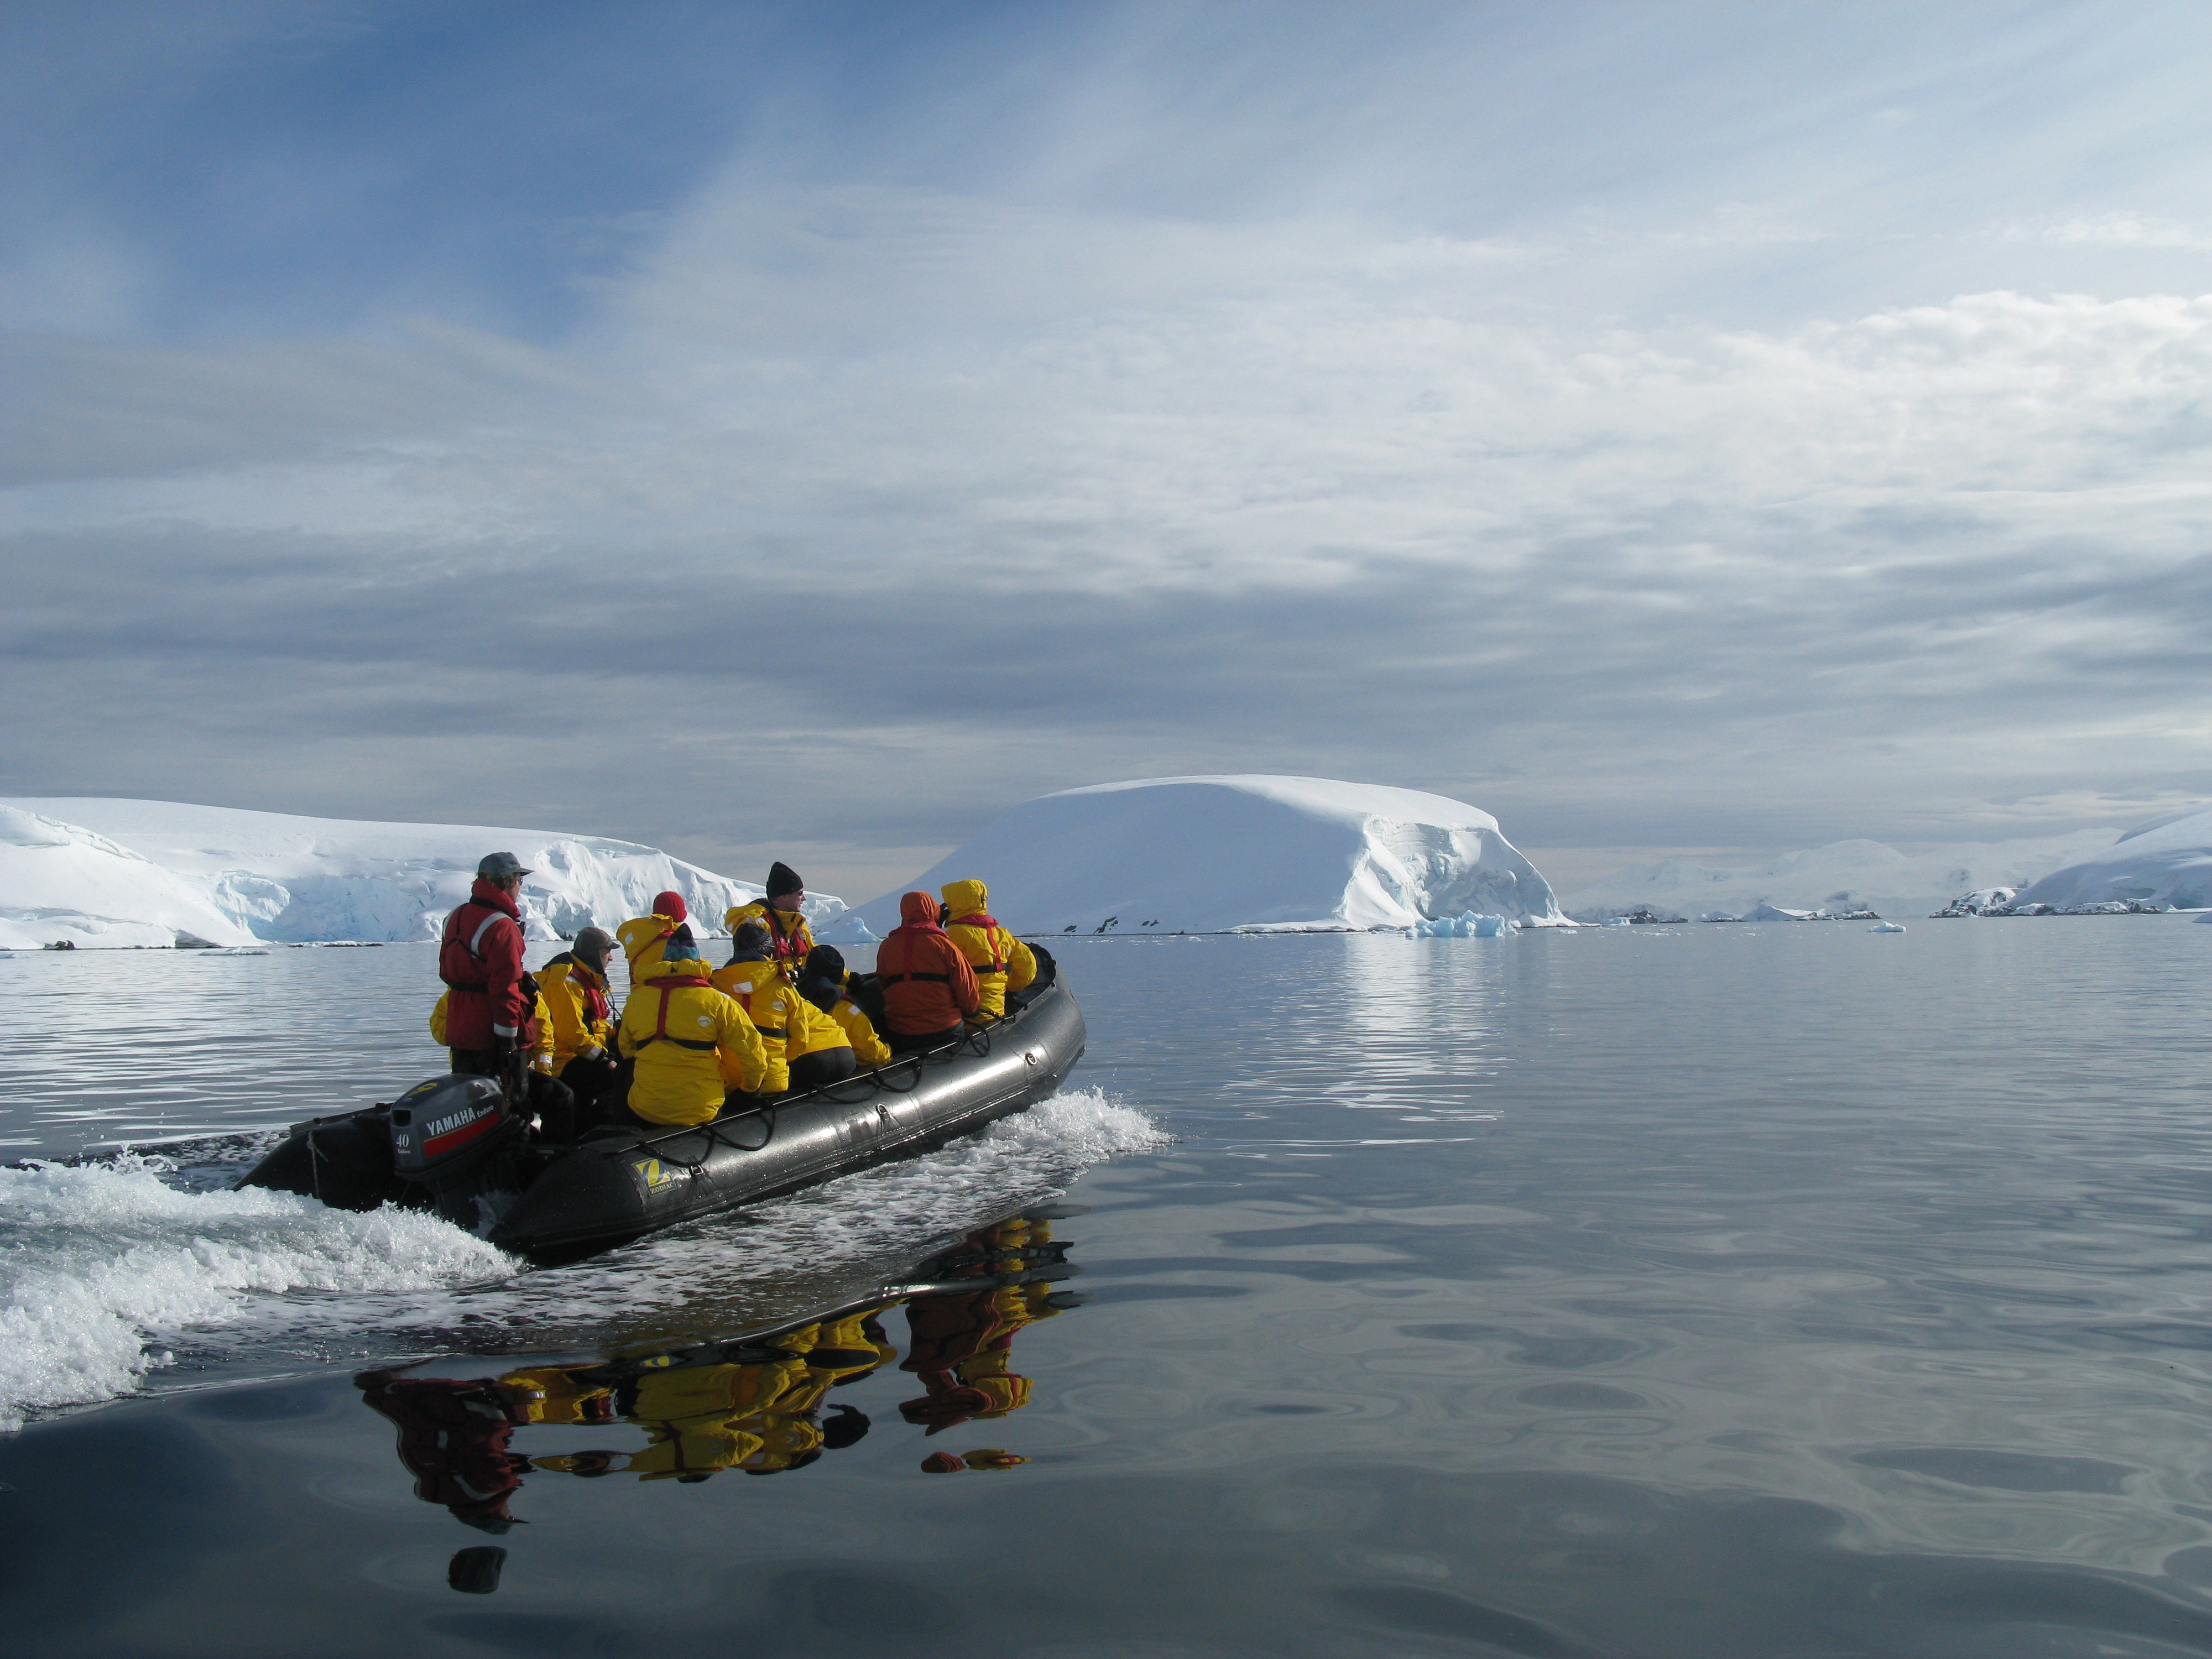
(1842, 877)
(1470, 925)
(1217, 854)
(144, 871)
(2166, 863)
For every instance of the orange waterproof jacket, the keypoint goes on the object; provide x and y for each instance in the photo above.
(926, 983)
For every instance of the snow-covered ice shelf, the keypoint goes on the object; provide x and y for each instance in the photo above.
(141, 873)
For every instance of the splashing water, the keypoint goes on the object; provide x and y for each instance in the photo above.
(106, 1268)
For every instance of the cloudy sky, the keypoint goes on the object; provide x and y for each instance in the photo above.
(808, 429)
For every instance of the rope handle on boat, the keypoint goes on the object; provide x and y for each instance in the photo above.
(975, 1041)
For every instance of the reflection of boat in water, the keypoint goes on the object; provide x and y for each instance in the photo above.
(757, 1403)
(450, 1143)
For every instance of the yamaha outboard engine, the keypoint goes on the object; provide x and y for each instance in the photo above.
(446, 1134)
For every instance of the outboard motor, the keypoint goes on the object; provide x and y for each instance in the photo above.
(446, 1133)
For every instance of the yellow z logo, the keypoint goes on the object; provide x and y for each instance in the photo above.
(655, 1176)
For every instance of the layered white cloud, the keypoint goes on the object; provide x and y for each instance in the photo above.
(1772, 502)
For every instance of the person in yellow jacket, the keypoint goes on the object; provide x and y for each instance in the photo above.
(822, 984)
(1002, 963)
(573, 986)
(789, 937)
(691, 1043)
(806, 1047)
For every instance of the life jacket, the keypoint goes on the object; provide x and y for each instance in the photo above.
(589, 986)
(666, 987)
(461, 952)
(782, 947)
(988, 925)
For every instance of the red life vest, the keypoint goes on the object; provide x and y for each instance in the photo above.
(788, 954)
(660, 1023)
(461, 953)
(988, 925)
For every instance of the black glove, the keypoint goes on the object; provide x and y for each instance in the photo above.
(502, 1046)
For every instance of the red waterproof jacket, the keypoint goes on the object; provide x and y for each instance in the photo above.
(480, 959)
(928, 983)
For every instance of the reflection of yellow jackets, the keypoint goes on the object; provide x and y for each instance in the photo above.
(689, 1041)
(552, 1394)
(698, 1418)
(541, 1057)
(786, 928)
(789, 1025)
(574, 1031)
(1002, 963)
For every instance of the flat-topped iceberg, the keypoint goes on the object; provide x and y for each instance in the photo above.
(1212, 854)
(143, 872)
(2166, 862)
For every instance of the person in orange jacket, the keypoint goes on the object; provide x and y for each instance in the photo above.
(1003, 963)
(928, 987)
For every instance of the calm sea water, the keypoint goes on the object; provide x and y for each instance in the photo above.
(1783, 1290)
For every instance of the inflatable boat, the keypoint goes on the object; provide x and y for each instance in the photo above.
(451, 1144)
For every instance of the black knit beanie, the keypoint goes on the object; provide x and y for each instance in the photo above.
(826, 961)
(782, 879)
(749, 942)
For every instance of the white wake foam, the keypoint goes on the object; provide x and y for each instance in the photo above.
(102, 1264)
(811, 1248)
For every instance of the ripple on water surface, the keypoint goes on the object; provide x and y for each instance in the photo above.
(1699, 1292)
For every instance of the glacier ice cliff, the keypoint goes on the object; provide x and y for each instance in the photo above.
(99, 872)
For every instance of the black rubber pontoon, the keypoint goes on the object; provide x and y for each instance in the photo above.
(618, 1185)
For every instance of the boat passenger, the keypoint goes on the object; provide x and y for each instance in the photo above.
(641, 936)
(572, 987)
(806, 1049)
(822, 982)
(1003, 963)
(690, 1041)
(789, 939)
(928, 987)
(544, 1096)
(480, 959)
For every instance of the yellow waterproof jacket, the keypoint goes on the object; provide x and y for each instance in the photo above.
(868, 1049)
(561, 985)
(789, 937)
(1002, 963)
(541, 1026)
(789, 1025)
(689, 1041)
(643, 938)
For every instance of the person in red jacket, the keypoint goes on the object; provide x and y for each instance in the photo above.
(480, 959)
(928, 987)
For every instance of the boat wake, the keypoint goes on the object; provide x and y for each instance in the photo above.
(145, 1268)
